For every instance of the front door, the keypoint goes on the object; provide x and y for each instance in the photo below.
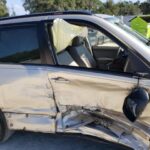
(91, 89)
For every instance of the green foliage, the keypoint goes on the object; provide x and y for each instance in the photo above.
(128, 8)
(122, 8)
(145, 8)
(109, 7)
(3, 8)
(34, 6)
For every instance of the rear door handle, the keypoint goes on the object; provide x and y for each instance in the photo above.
(60, 80)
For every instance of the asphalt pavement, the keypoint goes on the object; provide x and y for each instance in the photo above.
(38, 141)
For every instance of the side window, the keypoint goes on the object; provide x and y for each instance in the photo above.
(19, 45)
(81, 46)
(97, 38)
(107, 53)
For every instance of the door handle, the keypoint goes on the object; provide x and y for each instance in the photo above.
(60, 80)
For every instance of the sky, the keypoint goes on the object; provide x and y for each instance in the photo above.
(16, 5)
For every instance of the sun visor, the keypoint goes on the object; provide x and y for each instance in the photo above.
(64, 32)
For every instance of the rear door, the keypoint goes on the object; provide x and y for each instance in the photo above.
(24, 84)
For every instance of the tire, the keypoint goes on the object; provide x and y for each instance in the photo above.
(5, 133)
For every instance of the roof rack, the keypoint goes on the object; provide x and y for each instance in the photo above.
(72, 12)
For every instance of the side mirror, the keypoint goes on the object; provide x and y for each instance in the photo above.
(135, 103)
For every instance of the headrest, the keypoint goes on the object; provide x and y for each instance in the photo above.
(78, 40)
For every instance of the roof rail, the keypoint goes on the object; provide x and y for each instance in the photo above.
(70, 12)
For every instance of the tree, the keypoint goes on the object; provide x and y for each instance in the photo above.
(3, 8)
(34, 6)
(128, 8)
(93, 5)
(38, 5)
(145, 8)
(111, 8)
(121, 8)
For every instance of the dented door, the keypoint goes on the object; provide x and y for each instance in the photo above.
(26, 89)
(91, 90)
(27, 98)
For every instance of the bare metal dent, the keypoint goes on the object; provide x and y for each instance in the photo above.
(87, 122)
(99, 113)
(104, 127)
(29, 122)
(88, 106)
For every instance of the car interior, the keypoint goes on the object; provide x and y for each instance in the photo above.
(77, 54)
(94, 50)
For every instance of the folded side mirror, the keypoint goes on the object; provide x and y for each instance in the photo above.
(135, 103)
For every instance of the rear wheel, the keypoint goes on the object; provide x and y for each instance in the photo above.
(5, 133)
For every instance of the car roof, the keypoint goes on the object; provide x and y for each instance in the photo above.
(40, 16)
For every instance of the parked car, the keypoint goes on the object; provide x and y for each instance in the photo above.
(53, 80)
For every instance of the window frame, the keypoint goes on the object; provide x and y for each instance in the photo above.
(81, 22)
(50, 39)
(49, 53)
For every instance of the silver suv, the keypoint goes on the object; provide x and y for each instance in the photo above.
(54, 79)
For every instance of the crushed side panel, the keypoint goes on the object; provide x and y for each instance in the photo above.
(95, 90)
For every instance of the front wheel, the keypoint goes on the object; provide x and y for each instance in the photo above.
(5, 133)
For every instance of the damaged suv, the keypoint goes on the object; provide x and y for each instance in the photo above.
(74, 72)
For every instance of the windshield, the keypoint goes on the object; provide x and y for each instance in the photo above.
(132, 32)
(129, 36)
(115, 20)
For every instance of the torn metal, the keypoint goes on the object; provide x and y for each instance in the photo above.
(103, 126)
(26, 122)
(91, 104)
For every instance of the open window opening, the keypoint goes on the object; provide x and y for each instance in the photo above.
(83, 46)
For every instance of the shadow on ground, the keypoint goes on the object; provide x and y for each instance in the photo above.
(38, 141)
